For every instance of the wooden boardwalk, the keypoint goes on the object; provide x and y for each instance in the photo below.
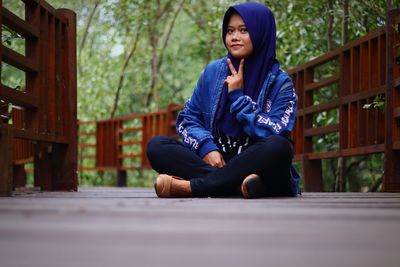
(131, 227)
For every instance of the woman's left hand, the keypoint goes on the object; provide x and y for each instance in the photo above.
(235, 80)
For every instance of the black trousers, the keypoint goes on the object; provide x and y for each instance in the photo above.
(271, 159)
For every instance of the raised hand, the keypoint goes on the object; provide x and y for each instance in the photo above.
(235, 80)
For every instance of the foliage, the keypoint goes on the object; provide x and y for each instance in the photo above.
(174, 43)
(378, 102)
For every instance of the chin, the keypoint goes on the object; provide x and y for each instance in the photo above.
(237, 55)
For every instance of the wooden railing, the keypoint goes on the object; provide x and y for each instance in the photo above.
(120, 143)
(336, 85)
(358, 73)
(42, 125)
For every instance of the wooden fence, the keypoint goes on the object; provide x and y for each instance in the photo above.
(38, 122)
(335, 85)
(352, 76)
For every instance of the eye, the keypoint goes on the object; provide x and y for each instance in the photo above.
(243, 30)
(229, 30)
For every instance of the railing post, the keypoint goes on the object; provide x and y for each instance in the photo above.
(391, 179)
(312, 170)
(121, 178)
(121, 172)
(65, 157)
(145, 139)
(6, 162)
(19, 175)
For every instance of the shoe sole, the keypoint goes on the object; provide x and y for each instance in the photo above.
(254, 188)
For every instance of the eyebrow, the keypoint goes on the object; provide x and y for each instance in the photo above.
(241, 25)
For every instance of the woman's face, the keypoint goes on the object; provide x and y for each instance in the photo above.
(237, 38)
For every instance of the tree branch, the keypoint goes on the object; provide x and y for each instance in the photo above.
(329, 30)
(345, 22)
(124, 67)
(157, 58)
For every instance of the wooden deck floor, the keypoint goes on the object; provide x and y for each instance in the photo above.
(131, 227)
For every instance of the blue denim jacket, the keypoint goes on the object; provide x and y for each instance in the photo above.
(273, 113)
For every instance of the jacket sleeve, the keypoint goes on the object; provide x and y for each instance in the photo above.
(191, 126)
(276, 118)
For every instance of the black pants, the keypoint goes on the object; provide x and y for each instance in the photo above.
(270, 158)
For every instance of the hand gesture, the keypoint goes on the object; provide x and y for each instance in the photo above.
(235, 80)
(215, 159)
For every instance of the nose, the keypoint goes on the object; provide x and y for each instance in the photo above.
(235, 35)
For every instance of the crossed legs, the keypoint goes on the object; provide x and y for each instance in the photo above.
(270, 159)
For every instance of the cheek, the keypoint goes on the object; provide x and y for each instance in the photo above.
(248, 42)
(249, 45)
(227, 40)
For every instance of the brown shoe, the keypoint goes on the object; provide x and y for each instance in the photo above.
(253, 187)
(171, 186)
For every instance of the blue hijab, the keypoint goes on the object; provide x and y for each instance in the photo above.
(260, 23)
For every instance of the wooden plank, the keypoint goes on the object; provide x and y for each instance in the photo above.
(65, 162)
(96, 219)
(46, 7)
(19, 61)
(19, 176)
(321, 130)
(87, 145)
(363, 95)
(87, 133)
(382, 59)
(18, 98)
(334, 103)
(355, 69)
(374, 63)
(43, 137)
(31, 2)
(396, 112)
(32, 47)
(299, 136)
(345, 73)
(51, 76)
(6, 162)
(23, 161)
(396, 145)
(323, 155)
(391, 179)
(322, 83)
(312, 172)
(130, 142)
(87, 156)
(44, 67)
(364, 66)
(363, 150)
(60, 85)
(18, 25)
(130, 130)
(138, 155)
(362, 123)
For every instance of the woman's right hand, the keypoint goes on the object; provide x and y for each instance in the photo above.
(215, 159)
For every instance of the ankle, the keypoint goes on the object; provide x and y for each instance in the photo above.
(181, 188)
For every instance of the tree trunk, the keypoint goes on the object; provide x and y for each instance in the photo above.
(158, 49)
(330, 19)
(389, 5)
(124, 66)
(340, 175)
(86, 31)
(345, 22)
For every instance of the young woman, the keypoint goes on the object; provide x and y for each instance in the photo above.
(235, 126)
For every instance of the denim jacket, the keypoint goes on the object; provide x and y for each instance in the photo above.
(273, 113)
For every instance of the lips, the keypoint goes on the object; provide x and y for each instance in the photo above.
(236, 46)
